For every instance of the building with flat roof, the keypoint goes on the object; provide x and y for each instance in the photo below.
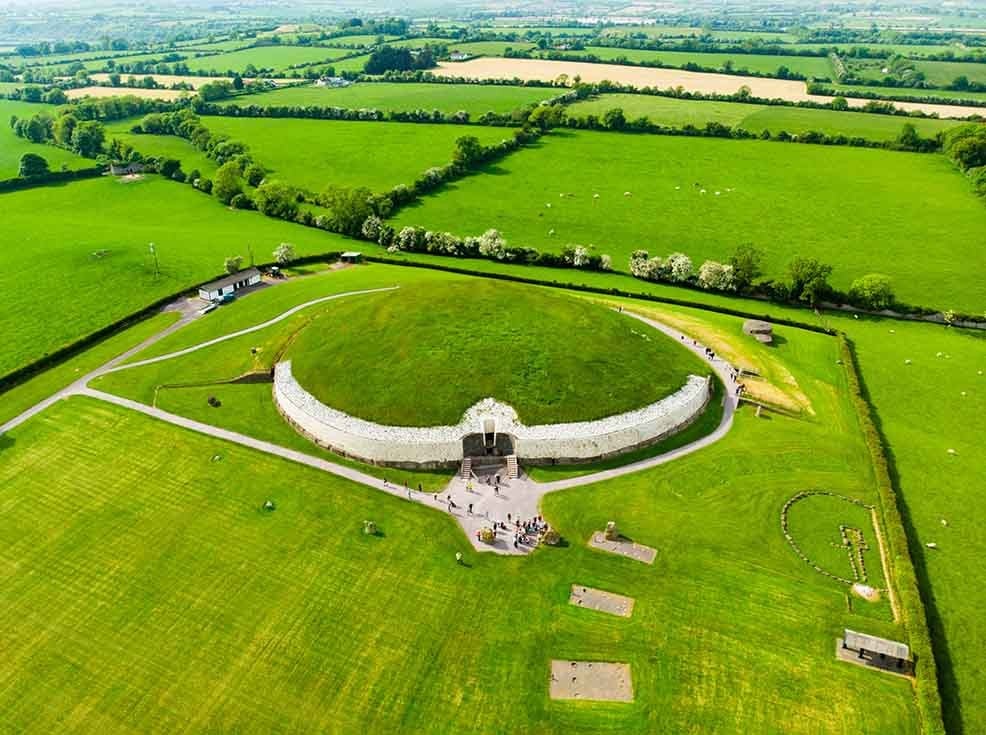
(216, 290)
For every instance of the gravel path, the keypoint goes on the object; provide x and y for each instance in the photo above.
(521, 498)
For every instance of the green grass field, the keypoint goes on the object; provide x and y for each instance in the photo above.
(455, 341)
(926, 408)
(937, 73)
(756, 118)
(162, 146)
(809, 66)
(449, 98)
(353, 63)
(786, 199)
(341, 153)
(73, 292)
(196, 584)
(907, 92)
(276, 58)
(13, 147)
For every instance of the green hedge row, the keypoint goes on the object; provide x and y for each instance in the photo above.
(898, 551)
(52, 177)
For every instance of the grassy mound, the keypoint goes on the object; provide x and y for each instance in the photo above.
(421, 357)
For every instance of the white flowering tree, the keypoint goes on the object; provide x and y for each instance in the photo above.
(716, 276)
(605, 263)
(284, 253)
(408, 238)
(492, 244)
(679, 267)
(580, 256)
(638, 263)
(371, 227)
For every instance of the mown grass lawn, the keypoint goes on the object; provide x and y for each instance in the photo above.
(910, 216)
(55, 287)
(318, 153)
(552, 358)
(757, 118)
(12, 147)
(475, 99)
(186, 605)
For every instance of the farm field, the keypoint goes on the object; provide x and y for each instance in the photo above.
(162, 146)
(925, 409)
(152, 94)
(640, 77)
(756, 118)
(275, 59)
(660, 31)
(938, 73)
(489, 48)
(808, 66)
(401, 96)
(192, 234)
(907, 92)
(362, 39)
(730, 582)
(322, 152)
(352, 63)
(803, 188)
(12, 147)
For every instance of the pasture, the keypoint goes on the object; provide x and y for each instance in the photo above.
(162, 146)
(908, 92)
(98, 245)
(12, 147)
(170, 523)
(936, 73)
(808, 66)
(275, 59)
(401, 96)
(926, 408)
(756, 118)
(377, 155)
(841, 205)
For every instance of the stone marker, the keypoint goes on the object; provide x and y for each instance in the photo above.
(591, 680)
(602, 601)
(629, 549)
(611, 533)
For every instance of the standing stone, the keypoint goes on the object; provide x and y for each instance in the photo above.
(611, 533)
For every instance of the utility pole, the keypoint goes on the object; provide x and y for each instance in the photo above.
(250, 250)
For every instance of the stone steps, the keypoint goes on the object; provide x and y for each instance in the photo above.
(513, 471)
(466, 471)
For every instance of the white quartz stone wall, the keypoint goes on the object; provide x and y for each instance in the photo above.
(436, 445)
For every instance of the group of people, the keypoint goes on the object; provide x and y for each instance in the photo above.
(527, 532)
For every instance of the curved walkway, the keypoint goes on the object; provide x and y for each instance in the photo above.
(474, 505)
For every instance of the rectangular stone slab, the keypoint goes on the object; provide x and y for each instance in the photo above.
(596, 681)
(607, 602)
(629, 549)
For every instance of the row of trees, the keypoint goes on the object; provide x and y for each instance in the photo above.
(807, 278)
(390, 58)
(85, 137)
(966, 146)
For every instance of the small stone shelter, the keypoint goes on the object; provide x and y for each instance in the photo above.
(216, 290)
(760, 330)
(869, 646)
(351, 256)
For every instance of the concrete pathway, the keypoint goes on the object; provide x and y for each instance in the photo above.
(519, 498)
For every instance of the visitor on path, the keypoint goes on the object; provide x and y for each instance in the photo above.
(470, 508)
(496, 490)
(419, 487)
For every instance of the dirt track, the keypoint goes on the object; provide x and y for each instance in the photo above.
(639, 76)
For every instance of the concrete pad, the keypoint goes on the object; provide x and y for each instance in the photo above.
(623, 547)
(607, 602)
(591, 680)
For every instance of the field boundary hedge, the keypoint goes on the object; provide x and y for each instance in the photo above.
(52, 177)
(904, 578)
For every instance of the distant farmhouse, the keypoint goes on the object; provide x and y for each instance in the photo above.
(332, 82)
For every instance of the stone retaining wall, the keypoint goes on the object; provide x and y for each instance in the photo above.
(441, 446)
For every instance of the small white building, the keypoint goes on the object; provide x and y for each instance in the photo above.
(334, 82)
(459, 56)
(216, 290)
